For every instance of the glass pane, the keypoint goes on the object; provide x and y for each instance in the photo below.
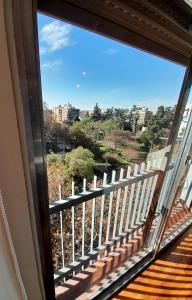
(181, 198)
(108, 111)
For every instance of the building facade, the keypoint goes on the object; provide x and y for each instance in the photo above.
(144, 115)
(65, 113)
(143, 112)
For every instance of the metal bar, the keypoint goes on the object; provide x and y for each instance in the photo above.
(73, 224)
(124, 203)
(61, 230)
(110, 207)
(94, 193)
(137, 197)
(83, 220)
(146, 196)
(153, 185)
(147, 199)
(93, 215)
(130, 203)
(117, 205)
(143, 167)
(152, 192)
(102, 210)
(81, 261)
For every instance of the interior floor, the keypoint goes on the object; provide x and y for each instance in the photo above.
(169, 277)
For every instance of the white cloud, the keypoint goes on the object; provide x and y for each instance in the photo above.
(110, 51)
(52, 65)
(78, 86)
(55, 36)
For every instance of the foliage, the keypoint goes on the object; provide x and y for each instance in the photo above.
(52, 158)
(119, 137)
(113, 156)
(56, 176)
(80, 138)
(79, 164)
(114, 159)
(158, 126)
(97, 114)
(47, 114)
(120, 116)
(93, 129)
(76, 165)
(108, 114)
(109, 125)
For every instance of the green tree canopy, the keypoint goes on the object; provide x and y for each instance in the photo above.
(97, 114)
(158, 127)
(109, 125)
(79, 164)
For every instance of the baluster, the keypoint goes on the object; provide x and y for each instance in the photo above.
(83, 220)
(124, 202)
(61, 229)
(130, 203)
(117, 205)
(155, 166)
(142, 197)
(102, 210)
(135, 211)
(93, 215)
(73, 223)
(110, 207)
(147, 197)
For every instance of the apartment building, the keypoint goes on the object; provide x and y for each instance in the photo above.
(144, 115)
(65, 113)
(143, 112)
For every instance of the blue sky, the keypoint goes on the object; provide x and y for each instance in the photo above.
(83, 68)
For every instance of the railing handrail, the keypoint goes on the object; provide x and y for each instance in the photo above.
(68, 202)
(125, 224)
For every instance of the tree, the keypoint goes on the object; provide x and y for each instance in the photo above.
(135, 121)
(120, 116)
(119, 137)
(56, 176)
(76, 165)
(80, 138)
(97, 114)
(93, 129)
(47, 114)
(109, 125)
(108, 114)
(79, 164)
(158, 126)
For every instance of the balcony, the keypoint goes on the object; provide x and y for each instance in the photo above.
(100, 234)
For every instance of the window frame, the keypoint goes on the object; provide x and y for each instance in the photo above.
(27, 55)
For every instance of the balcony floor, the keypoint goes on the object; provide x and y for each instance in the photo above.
(169, 277)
